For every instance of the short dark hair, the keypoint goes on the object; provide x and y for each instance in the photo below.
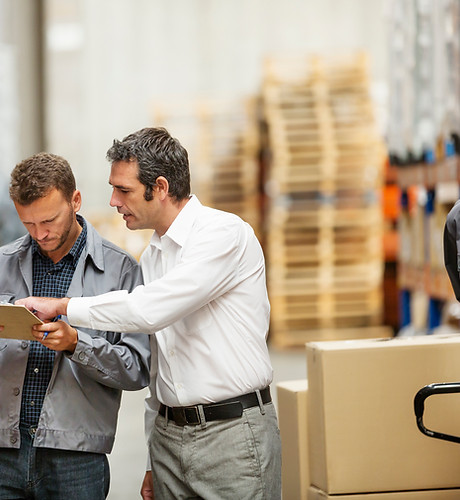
(36, 176)
(157, 154)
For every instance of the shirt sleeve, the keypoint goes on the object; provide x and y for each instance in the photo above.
(208, 269)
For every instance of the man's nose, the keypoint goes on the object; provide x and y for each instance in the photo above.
(39, 234)
(114, 202)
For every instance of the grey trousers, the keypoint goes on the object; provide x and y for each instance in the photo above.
(227, 459)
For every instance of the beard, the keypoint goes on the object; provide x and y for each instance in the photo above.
(62, 239)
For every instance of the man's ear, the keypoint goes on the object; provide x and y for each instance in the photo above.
(162, 187)
(76, 201)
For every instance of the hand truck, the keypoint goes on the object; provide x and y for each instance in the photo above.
(419, 407)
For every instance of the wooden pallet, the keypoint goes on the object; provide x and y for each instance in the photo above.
(322, 128)
(347, 212)
(293, 100)
(222, 139)
(324, 277)
(306, 312)
(321, 251)
(298, 338)
(303, 68)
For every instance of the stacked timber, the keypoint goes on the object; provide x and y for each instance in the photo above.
(324, 216)
(222, 140)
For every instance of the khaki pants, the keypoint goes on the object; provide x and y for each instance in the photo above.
(219, 460)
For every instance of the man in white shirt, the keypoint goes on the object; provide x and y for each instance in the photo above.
(211, 426)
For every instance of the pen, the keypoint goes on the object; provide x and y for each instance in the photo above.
(55, 319)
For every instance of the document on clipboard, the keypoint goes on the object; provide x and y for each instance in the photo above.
(17, 321)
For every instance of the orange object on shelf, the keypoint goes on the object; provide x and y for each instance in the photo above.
(391, 201)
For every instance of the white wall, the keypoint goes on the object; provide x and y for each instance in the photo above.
(20, 108)
(108, 60)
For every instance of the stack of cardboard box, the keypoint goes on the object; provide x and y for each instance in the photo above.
(363, 442)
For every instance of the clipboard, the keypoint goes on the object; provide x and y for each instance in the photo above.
(17, 321)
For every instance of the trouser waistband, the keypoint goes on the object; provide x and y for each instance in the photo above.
(222, 410)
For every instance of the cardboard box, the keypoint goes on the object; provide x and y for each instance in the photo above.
(292, 416)
(362, 428)
(316, 494)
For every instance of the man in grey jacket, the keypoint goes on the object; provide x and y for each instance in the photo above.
(60, 395)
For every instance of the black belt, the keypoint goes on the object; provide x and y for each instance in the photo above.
(229, 408)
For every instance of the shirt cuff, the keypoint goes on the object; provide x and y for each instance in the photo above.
(78, 311)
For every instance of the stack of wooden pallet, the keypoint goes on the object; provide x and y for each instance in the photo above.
(324, 227)
(222, 139)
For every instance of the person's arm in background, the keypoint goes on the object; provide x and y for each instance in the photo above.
(451, 253)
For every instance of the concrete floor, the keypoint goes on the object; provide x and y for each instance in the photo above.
(128, 458)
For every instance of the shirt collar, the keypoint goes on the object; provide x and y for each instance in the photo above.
(182, 225)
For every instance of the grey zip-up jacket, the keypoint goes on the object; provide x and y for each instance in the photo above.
(81, 405)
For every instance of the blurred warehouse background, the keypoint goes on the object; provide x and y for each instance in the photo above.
(314, 121)
(331, 126)
(282, 106)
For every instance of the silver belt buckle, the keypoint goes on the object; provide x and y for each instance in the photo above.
(180, 415)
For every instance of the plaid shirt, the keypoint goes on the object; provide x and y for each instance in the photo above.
(49, 280)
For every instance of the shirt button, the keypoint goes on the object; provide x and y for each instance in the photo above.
(13, 440)
(24, 344)
(36, 370)
(31, 403)
(179, 386)
(81, 356)
(171, 352)
(16, 391)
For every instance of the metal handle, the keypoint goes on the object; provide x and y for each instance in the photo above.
(419, 407)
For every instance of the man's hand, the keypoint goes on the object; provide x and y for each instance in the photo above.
(147, 486)
(60, 336)
(45, 308)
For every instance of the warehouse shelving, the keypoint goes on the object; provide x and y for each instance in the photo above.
(429, 191)
(422, 137)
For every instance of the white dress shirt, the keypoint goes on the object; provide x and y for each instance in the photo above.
(205, 299)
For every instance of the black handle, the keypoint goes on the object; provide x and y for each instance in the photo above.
(419, 407)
